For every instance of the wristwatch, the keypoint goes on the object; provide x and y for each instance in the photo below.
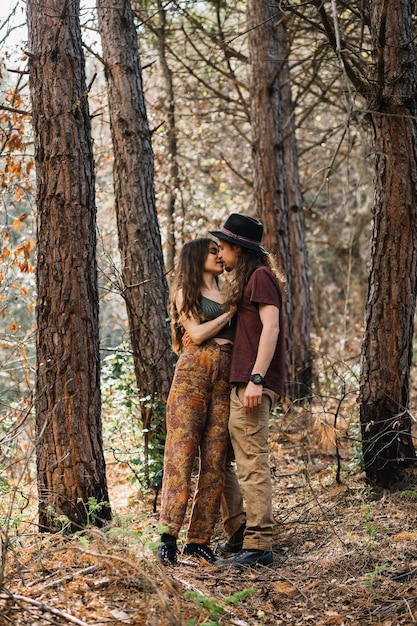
(258, 379)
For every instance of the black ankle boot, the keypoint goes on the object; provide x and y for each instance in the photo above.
(235, 542)
(202, 551)
(167, 550)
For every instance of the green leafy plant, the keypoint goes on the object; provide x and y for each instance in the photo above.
(371, 529)
(216, 608)
(59, 523)
(370, 577)
(212, 605)
(134, 427)
(238, 596)
(151, 461)
(92, 507)
(409, 493)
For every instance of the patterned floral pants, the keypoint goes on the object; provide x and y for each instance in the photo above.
(197, 419)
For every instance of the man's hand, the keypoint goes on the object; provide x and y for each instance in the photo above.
(253, 396)
(186, 340)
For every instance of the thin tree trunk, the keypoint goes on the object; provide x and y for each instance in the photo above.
(301, 380)
(70, 462)
(171, 135)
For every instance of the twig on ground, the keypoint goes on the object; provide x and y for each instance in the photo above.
(44, 607)
(64, 579)
(409, 610)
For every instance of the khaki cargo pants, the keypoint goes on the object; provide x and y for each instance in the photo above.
(249, 431)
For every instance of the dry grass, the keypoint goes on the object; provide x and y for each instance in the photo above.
(342, 556)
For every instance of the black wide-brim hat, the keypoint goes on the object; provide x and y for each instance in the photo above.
(243, 231)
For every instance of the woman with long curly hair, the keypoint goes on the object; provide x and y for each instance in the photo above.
(198, 403)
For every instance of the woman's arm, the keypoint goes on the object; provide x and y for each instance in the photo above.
(197, 332)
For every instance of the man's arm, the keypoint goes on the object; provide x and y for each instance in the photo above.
(269, 315)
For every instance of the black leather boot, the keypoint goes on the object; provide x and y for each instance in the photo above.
(234, 543)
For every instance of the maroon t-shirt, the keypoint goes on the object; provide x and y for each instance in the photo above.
(262, 288)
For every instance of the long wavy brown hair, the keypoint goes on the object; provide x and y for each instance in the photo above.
(247, 262)
(189, 278)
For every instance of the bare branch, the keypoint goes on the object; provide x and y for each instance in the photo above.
(93, 52)
(360, 83)
(84, 94)
(3, 107)
(59, 26)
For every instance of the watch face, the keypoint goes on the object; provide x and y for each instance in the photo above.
(257, 379)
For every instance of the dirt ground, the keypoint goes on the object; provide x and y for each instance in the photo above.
(342, 555)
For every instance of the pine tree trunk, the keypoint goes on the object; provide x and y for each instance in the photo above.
(301, 379)
(172, 185)
(270, 196)
(70, 462)
(388, 342)
(145, 286)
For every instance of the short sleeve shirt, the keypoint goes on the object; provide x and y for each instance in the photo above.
(262, 288)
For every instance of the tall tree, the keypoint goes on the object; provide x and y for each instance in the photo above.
(143, 271)
(144, 284)
(388, 342)
(70, 461)
(270, 194)
(388, 84)
(301, 379)
(173, 185)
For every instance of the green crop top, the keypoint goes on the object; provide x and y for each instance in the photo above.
(212, 309)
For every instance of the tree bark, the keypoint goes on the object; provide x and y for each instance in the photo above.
(270, 197)
(143, 272)
(301, 379)
(387, 347)
(173, 186)
(70, 461)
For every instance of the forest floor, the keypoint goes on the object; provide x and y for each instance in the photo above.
(342, 555)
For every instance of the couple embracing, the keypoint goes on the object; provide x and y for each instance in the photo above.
(229, 375)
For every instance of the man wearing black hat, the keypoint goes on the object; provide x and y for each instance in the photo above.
(257, 375)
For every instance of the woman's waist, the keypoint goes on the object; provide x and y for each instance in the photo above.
(223, 344)
(211, 344)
